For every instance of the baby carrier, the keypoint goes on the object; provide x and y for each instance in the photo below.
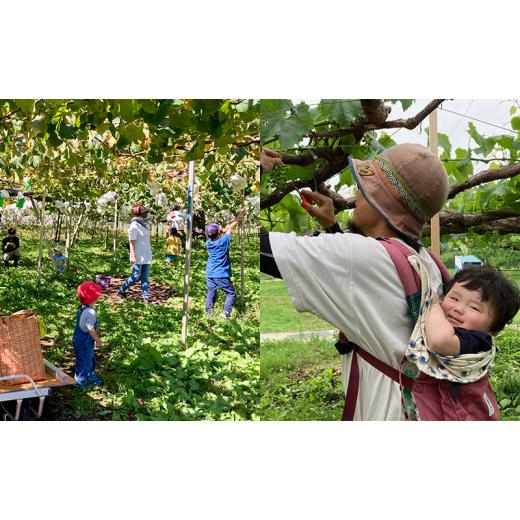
(433, 387)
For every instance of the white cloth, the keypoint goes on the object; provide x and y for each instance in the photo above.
(177, 218)
(143, 248)
(350, 281)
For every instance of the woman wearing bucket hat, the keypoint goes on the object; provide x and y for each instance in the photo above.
(86, 335)
(140, 251)
(349, 280)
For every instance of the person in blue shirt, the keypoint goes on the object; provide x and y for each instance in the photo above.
(60, 261)
(218, 266)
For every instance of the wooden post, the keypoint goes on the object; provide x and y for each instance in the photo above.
(37, 215)
(241, 235)
(435, 222)
(187, 261)
(42, 237)
(114, 247)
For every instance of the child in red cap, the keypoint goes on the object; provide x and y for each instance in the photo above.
(85, 335)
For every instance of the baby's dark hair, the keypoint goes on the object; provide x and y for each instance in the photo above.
(502, 294)
(173, 231)
(11, 231)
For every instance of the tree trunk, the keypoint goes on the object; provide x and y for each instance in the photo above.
(77, 227)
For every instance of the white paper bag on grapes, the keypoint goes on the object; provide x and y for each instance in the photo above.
(238, 183)
(161, 200)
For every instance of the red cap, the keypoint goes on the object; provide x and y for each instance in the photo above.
(88, 292)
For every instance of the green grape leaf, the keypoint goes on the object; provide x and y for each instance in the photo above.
(342, 111)
(126, 109)
(345, 177)
(67, 131)
(475, 135)
(464, 167)
(25, 105)
(134, 132)
(299, 172)
(272, 117)
(386, 141)
(444, 143)
(293, 132)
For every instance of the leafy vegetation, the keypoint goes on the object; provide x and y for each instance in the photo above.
(148, 372)
(300, 380)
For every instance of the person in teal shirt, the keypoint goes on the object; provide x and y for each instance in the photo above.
(218, 266)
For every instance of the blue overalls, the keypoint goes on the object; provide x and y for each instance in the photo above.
(83, 344)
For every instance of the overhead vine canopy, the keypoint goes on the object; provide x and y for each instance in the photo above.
(317, 139)
(77, 149)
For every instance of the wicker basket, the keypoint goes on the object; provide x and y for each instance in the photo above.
(20, 348)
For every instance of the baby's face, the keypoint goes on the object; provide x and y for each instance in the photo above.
(464, 308)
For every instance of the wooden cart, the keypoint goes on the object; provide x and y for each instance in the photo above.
(27, 392)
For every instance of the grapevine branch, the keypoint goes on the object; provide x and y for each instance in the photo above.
(504, 221)
(368, 126)
(336, 160)
(341, 203)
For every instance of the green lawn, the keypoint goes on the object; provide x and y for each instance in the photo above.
(277, 313)
(300, 380)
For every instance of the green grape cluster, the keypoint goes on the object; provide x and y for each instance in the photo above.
(278, 178)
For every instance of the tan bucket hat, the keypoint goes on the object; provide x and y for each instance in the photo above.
(406, 184)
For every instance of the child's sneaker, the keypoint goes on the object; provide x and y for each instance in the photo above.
(224, 315)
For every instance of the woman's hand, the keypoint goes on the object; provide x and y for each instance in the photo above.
(269, 159)
(323, 212)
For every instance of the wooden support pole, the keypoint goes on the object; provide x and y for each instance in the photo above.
(114, 247)
(42, 237)
(187, 261)
(435, 222)
(241, 235)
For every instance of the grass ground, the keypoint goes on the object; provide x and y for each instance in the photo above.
(277, 313)
(148, 372)
(300, 380)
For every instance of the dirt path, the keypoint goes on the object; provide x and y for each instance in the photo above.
(158, 294)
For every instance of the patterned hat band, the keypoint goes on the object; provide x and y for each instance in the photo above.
(400, 189)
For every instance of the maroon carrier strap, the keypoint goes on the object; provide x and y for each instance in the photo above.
(353, 382)
(399, 254)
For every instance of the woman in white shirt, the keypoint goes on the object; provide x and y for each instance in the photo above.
(140, 251)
